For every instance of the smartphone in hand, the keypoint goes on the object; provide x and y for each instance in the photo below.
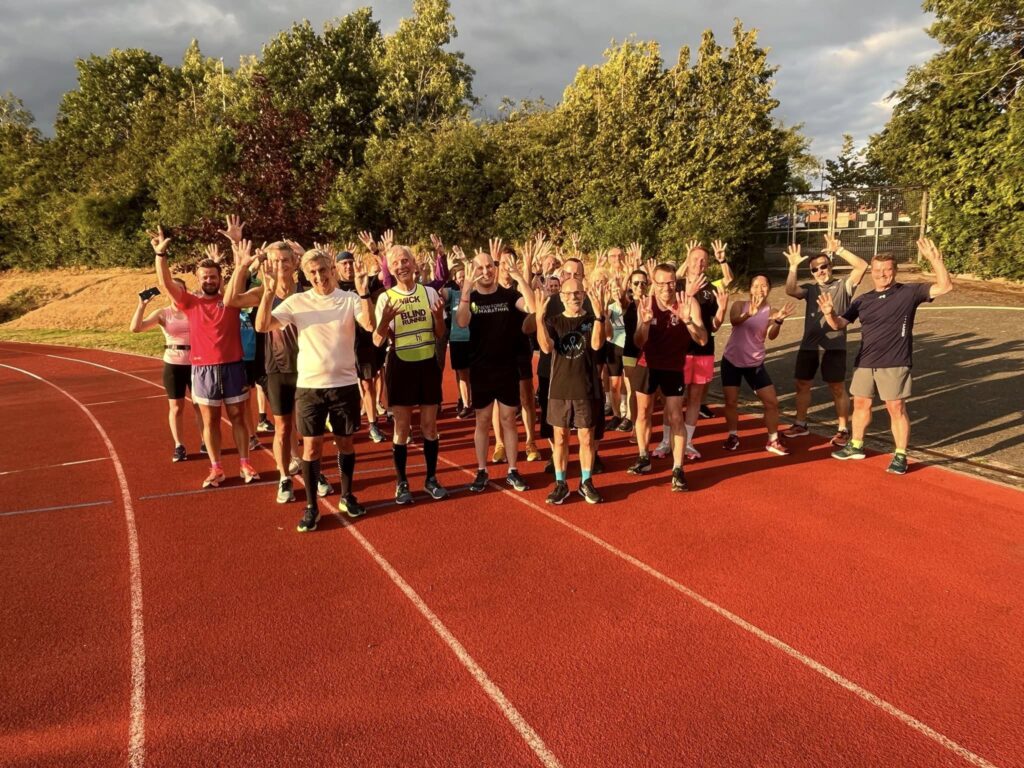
(149, 293)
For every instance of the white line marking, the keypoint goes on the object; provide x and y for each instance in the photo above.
(745, 625)
(106, 368)
(125, 400)
(54, 466)
(919, 309)
(54, 509)
(137, 727)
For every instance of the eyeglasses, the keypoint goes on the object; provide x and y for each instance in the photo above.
(821, 268)
(572, 293)
(641, 283)
(662, 284)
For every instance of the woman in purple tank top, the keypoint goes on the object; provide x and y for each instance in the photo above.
(753, 323)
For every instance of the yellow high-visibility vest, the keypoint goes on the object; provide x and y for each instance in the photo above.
(414, 325)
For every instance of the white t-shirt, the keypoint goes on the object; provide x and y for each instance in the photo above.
(432, 299)
(327, 336)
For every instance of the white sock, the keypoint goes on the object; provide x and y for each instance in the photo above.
(773, 436)
(666, 434)
(690, 429)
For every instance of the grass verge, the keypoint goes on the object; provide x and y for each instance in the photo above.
(151, 344)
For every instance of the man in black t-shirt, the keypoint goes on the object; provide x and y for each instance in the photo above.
(494, 317)
(573, 338)
(886, 350)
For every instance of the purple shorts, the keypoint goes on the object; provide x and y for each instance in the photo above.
(223, 384)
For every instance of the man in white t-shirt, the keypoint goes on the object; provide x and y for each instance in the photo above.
(327, 385)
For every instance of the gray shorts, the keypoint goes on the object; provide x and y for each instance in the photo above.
(219, 384)
(892, 383)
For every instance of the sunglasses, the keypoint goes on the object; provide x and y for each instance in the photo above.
(821, 268)
(639, 282)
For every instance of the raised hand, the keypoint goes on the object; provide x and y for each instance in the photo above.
(297, 249)
(832, 245)
(645, 308)
(691, 245)
(233, 231)
(793, 256)
(784, 312)
(437, 310)
(574, 238)
(495, 246)
(693, 287)
(649, 266)
(598, 295)
(719, 248)
(825, 304)
(387, 240)
(721, 297)
(756, 302)
(390, 311)
(471, 276)
(436, 242)
(158, 241)
(327, 248)
(541, 248)
(242, 251)
(213, 253)
(634, 254)
(351, 247)
(459, 253)
(926, 249)
(541, 299)
(360, 277)
(366, 238)
(601, 259)
(681, 308)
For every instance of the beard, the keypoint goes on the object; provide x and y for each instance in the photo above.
(211, 290)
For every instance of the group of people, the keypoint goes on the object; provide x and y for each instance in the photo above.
(329, 337)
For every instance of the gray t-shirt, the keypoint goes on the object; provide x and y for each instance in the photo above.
(818, 334)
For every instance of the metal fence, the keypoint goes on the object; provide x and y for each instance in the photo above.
(867, 221)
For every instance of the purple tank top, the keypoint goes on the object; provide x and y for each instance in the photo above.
(745, 348)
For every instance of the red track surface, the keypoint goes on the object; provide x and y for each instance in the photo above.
(787, 612)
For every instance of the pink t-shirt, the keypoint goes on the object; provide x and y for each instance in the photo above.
(214, 330)
(745, 348)
(174, 324)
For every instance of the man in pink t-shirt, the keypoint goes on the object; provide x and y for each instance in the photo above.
(218, 374)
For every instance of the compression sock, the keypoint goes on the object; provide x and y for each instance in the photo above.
(559, 476)
(346, 466)
(263, 416)
(400, 453)
(584, 474)
(430, 451)
(690, 429)
(310, 477)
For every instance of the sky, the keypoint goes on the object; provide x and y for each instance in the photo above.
(837, 60)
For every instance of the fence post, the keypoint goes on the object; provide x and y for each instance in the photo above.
(878, 220)
(925, 207)
(832, 214)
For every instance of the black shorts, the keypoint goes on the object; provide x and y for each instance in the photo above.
(524, 363)
(487, 385)
(671, 383)
(733, 375)
(832, 362)
(581, 414)
(458, 351)
(543, 384)
(281, 393)
(409, 384)
(254, 373)
(613, 359)
(177, 378)
(369, 361)
(313, 406)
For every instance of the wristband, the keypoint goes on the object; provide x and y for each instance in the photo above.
(364, 296)
(463, 301)
(777, 321)
(600, 319)
(160, 255)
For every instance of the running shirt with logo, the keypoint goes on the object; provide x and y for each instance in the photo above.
(214, 330)
(495, 329)
(420, 299)
(708, 301)
(281, 348)
(326, 333)
(668, 341)
(174, 324)
(818, 334)
(887, 324)
(574, 371)
(745, 348)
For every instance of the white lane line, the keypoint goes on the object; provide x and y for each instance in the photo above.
(125, 400)
(54, 509)
(920, 309)
(53, 466)
(757, 632)
(106, 368)
(137, 727)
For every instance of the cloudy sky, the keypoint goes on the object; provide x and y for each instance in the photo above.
(837, 59)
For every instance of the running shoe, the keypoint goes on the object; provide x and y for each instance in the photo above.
(254, 443)
(515, 481)
(625, 425)
(265, 427)
(402, 493)
(559, 493)
(679, 480)
(180, 454)
(465, 413)
(309, 520)
(613, 423)
(499, 455)
(775, 446)
(532, 454)
(375, 434)
(642, 466)
(435, 489)
(480, 481)
(589, 492)
(598, 468)
(202, 449)
(215, 478)
(248, 473)
(898, 465)
(705, 412)
(849, 452)
(323, 487)
(608, 409)
(796, 430)
(692, 454)
(840, 438)
(662, 451)
(351, 507)
(285, 493)
(295, 466)
(731, 443)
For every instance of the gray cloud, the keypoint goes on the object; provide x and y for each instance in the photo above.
(836, 60)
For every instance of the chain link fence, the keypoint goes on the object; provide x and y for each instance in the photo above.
(867, 221)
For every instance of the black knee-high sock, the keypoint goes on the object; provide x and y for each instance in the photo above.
(310, 476)
(400, 454)
(430, 450)
(346, 465)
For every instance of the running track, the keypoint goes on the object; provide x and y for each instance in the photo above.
(787, 612)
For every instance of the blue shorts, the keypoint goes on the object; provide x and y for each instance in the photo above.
(223, 384)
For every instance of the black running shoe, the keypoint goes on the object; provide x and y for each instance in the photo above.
(678, 480)
(308, 521)
(179, 453)
(402, 493)
(625, 426)
(351, 507)
(642, 466)
(705, 412)
(559, 493)
(589, 492)
(435, 489)
(515, 481)
(480, 481)
(613, 423)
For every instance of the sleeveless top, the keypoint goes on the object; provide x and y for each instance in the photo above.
(745, 348)
(668, 341)
(175, 328)
(414, 325)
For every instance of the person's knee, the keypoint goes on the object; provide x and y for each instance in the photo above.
(896, 407)
(802, 385)
(345, 444)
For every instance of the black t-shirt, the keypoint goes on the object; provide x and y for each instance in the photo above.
(574, 371)
(887, 324)
(631, 319)
(365, 348)
(495, 331)
(281, 348)
(708, 302)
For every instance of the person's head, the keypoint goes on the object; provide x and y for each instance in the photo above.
(639, 283)
(821, 268)
(572, 269)
(552, 285)
(211, 278)
(458, 273)
(486, 271)
(281, 253)
(319, 270)
(346, 267)
(572, 294)
(615, 257)
(696, 262)
(402, 264)
(760, 285)
(883, 271)
(664, 288)
(503, 274)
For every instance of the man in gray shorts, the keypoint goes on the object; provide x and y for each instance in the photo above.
(884, 360)
(821, 346)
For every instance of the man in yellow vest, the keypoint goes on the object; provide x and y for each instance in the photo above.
(411, 316)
